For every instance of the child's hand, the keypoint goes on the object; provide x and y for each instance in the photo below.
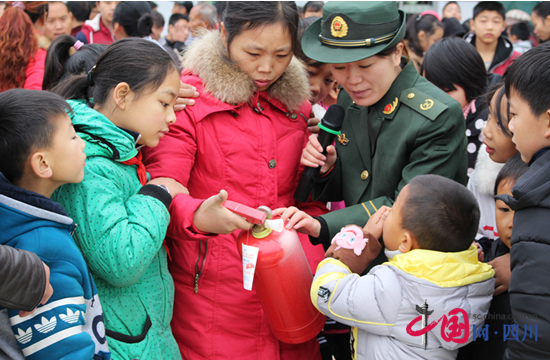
(213, 218)
(173, 186)
(299, 221)
(375, 225)
(357, 264)
(312, 125)
(48, 292)
(480, 254)
(312, 155)
(185, 93)
(501, 265)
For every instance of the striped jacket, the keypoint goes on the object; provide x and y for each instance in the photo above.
(70, 325)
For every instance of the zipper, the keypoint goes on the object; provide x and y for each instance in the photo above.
(77, 241)
(197, 271)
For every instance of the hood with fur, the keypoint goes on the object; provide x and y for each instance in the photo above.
(229, 84)
(485, 173)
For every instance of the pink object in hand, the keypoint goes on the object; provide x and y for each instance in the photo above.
(350, 237)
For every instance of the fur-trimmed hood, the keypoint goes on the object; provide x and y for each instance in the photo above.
(229, 84)
(486, 172)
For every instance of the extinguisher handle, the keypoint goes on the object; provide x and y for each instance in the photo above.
(250, 214)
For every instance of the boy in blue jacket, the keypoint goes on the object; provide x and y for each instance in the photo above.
(40, 151)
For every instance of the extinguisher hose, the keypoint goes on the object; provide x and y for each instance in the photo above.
(197, 272)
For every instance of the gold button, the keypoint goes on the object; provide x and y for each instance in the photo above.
(293, 116)
(364, 175)
(272, 163)
(410, 96)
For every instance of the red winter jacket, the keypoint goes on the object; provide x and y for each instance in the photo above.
(249, 144)
(34, 74)
(95, 32)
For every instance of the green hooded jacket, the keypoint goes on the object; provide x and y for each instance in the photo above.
(120, 233)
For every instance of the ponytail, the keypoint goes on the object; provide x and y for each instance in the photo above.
(140, 63)
(75, 87)
(426, 22)
(67, 57)
(144, 25)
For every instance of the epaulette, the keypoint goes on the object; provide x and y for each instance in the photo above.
(422, 103)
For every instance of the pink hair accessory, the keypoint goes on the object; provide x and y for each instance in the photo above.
(429, 12)
(78, 44)
(18, 4)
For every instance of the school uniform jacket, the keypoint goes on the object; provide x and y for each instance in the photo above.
(504, 56)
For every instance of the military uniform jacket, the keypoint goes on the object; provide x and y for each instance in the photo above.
(414, 129)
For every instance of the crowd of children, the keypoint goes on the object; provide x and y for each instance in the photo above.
(118, 151)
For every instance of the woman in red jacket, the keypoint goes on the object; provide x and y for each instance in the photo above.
(243, 140)
(20, 55)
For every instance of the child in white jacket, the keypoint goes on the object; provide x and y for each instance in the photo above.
(424, 302)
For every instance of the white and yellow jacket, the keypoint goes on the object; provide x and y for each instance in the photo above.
(382, 303)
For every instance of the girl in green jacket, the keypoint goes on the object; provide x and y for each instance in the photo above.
(126, 101)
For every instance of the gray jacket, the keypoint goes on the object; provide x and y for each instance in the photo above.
(22, 283)
(22, 279)
(382, 304)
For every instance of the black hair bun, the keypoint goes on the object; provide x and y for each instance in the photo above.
(145, 25)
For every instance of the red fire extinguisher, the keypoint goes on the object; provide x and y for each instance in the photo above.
(282, 278)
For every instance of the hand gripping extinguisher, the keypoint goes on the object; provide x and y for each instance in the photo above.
(282, 278)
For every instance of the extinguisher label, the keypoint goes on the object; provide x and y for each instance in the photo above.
(250, 255)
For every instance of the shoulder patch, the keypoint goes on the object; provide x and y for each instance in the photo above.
(422, 103)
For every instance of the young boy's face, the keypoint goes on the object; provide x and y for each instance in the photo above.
(531, 132)
(393, 230)
(107, 9)
(488, 25)
(66, 154)
(504, 215)
(452, 10)
(320, 82)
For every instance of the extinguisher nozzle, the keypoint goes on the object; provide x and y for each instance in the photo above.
(275, 225)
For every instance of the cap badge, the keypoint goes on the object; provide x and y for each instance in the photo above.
(388, 109)
(338, 27)
(427, 105)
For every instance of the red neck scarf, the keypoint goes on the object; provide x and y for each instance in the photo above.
(141, 172)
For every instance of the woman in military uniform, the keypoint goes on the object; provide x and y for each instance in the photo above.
(397, 125)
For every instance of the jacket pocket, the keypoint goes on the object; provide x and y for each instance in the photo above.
(129, 339)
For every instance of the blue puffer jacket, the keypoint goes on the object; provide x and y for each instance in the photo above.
(70, 325)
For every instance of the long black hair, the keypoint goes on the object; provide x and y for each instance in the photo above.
(245, 15)
(64, 59)
(453, 61)
(141, 63)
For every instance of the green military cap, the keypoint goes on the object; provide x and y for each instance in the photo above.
(353, 30)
